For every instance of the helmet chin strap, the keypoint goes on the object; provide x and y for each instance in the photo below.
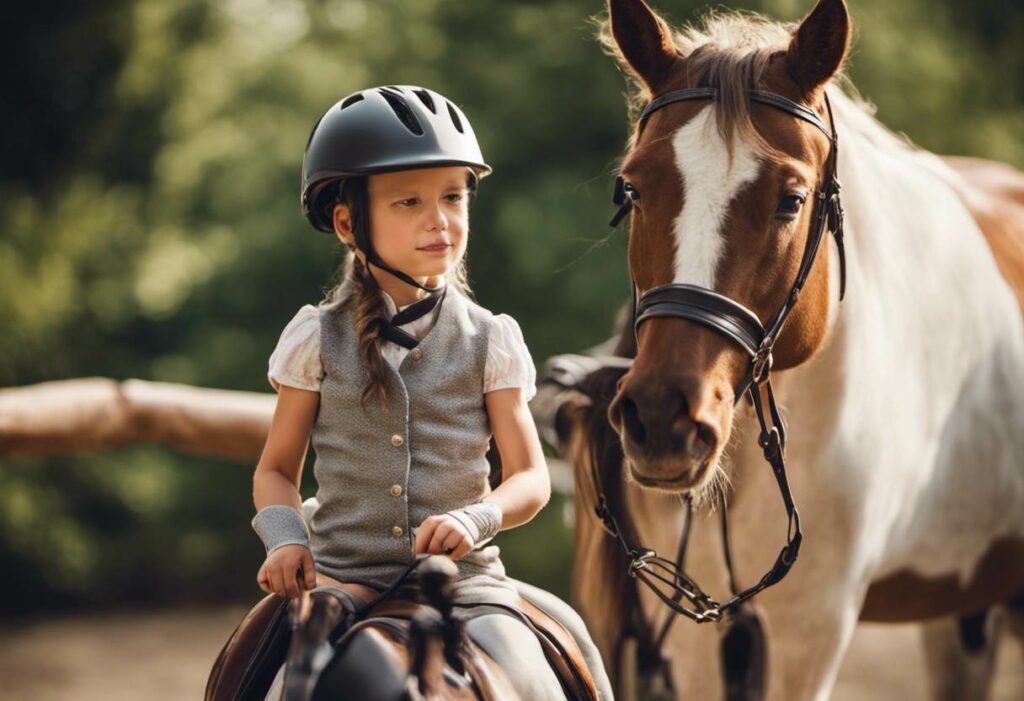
(409, 280)
(361, 234)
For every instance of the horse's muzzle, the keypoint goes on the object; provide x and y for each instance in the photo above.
(668, 441)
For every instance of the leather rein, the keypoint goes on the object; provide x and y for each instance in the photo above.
(738, 323)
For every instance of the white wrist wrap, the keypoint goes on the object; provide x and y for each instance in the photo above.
(280, 524)
(484, 518)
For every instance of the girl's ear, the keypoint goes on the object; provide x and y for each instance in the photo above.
(343, 225)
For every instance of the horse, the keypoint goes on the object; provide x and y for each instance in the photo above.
(904, 401)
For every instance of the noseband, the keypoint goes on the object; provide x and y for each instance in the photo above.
(739, 324)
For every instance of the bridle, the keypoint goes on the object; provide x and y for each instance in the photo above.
(739, 324)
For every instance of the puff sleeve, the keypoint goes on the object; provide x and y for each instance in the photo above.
(509, 363)
(296, 359)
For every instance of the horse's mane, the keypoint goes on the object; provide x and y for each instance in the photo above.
(729, 50)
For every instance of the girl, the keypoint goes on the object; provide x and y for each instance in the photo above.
(400, 380)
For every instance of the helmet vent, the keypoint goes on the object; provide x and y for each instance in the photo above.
(426, 99)
(352, 99)
(455, 118)
(403, 112)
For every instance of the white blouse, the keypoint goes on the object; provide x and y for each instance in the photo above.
(296, 359)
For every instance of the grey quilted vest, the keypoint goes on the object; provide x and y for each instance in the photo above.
(381, 472)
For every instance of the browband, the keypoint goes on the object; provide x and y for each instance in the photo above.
(766, 98)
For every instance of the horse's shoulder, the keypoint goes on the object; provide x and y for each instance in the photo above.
(994, 195)
(995, 179)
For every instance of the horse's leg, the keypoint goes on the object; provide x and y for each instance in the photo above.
(1014, 625)
(804, 647)
(695, 658)
(807, 639)
(961, 654)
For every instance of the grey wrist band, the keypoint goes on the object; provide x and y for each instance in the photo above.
(280, 524)
(485, 518)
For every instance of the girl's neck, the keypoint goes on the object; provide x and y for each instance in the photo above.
(401, 293)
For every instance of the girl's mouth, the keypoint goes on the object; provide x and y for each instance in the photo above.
(436, 248)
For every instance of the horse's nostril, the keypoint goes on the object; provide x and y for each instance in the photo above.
(703, 439)
(694, 438)
(631, 421)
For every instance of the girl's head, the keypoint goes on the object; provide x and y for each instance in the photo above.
(390, 171)
(418, 220)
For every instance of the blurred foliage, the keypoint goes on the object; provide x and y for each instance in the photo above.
(150, 222)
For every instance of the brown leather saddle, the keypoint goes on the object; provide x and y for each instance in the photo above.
(386, 654)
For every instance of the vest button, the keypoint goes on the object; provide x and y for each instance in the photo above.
(397, 441)
(396, 490)
(397, 531)
(416, 354)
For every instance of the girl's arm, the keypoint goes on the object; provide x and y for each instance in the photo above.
(279, 470)
(276, 481)
(525, 485)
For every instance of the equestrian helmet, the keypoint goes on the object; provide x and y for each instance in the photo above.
(394, 127)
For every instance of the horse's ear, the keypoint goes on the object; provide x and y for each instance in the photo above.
(818, 47)
(644, 39)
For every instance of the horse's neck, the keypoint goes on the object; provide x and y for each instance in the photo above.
(924, 284)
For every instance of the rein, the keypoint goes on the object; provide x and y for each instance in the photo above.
(741, 325)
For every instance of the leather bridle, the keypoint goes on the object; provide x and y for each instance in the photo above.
(739, 324)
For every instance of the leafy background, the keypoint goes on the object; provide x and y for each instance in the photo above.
(149, 223)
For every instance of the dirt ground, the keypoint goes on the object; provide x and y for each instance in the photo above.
(166, 655)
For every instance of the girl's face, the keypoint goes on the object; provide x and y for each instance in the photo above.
(419, 219)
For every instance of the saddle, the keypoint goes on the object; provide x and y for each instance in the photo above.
(390, 653)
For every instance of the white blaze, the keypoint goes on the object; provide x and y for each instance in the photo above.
(710, 182)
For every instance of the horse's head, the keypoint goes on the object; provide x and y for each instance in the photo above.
(722, 199)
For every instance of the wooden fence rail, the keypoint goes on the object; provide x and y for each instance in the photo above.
(95, 414)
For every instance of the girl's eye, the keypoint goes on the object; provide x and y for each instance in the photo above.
(410, 202)
(454, 197)
(789, 206)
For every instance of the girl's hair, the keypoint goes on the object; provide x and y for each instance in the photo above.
(359, 293)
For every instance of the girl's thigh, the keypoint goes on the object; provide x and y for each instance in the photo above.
(571, 621)
(516, 650)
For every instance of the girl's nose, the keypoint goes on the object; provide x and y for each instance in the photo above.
(438, 220)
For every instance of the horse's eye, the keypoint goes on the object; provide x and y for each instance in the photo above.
(789, 206)
(630, 190)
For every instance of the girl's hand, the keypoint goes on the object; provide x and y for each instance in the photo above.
(287, 571)
(443, 535)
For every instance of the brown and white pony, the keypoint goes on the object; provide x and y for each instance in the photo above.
(905, 403)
